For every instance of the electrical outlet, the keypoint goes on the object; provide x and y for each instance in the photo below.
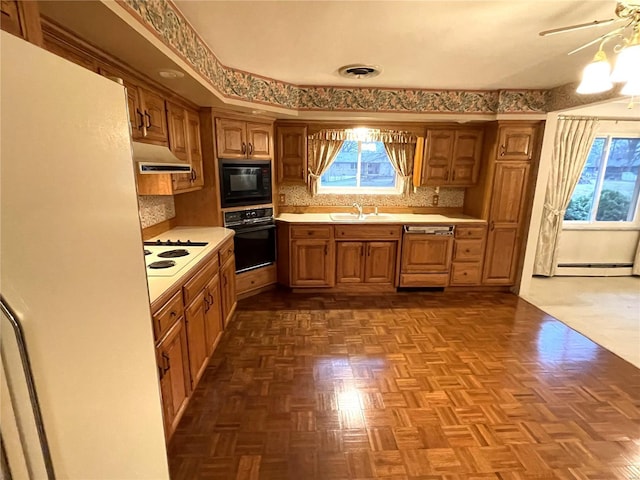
(435, 199)
(282, 199)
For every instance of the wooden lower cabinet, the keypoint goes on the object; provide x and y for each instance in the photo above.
(228, 289)
(501, 256)
(365, 262)
(312, 263)
(173, 366)
(213, 313)
(468, 252)
(196, 321)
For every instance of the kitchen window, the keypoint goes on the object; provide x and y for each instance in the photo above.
(607, 191)
(361, 167)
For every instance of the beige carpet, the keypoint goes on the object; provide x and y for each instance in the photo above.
(605, 309)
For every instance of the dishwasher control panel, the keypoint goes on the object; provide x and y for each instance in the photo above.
(429, 229)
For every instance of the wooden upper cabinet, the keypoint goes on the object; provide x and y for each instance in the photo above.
(239, 139)
(380, 262)
(195, 148)
(259, 141)
(426, 253)
(437, 157)
(155, 117)
(231, 138)
(509, 189)
(452, 157)
(177, 119)
(467, 154)
(291, 157)
(21, 18)
(516, 142)
(136, 117)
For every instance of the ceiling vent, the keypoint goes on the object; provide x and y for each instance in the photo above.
(359, 71)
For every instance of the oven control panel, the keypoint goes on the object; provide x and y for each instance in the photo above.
(247, 217)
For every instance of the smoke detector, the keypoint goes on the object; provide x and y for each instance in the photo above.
(359, 71)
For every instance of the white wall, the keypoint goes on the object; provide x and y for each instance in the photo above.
(597, 246)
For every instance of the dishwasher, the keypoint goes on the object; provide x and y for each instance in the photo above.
(426, 255)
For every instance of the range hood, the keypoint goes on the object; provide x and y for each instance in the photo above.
(157, 159)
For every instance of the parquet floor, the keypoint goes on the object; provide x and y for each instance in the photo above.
(408, 386)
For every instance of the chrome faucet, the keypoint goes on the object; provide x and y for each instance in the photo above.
(357, 206)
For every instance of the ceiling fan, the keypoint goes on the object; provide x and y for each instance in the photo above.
(597, 76)
(627, 11)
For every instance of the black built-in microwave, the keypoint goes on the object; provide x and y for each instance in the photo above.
(244, 182)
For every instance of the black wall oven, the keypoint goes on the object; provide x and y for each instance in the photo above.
(244, 182)
(255, 237)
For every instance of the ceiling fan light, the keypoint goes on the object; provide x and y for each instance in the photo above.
(595, 77)
(627, 64)
(632, 87)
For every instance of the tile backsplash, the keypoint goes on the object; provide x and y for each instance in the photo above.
(155, 209)
(297, 196)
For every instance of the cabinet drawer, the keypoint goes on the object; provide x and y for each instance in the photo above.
(168, 314)
(260, 277)
(465, 274)
(424, 279)
(467, 251)
(308, 231)
(226, 251)
(470, 232)
(199, 280)
(368, 232)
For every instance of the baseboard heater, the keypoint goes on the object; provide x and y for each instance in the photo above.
(595, 265)
(594, 269)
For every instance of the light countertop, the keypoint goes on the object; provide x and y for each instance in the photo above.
(214, 236)
(383, 218)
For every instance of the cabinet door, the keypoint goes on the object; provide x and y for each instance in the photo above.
(292, 154)
(195, 148)
(350, 262)
(259, 141)
(467, 152)
(22, 19)
(426, 253)
(173, 364)
(196, 337)
(213, 312)
(10, 17)
(380, 262)
(231, 138)
(437, 157)
(509, 191)
(155, 117)
(501, 257)
(312, 263)
(136, 117)
(177, 118)
(228, 289)
(516, 143)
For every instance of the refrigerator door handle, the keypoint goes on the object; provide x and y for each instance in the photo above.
(14, 321)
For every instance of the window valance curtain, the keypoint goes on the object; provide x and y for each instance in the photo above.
(323, 148)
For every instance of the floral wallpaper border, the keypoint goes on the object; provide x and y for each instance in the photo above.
(166, 22)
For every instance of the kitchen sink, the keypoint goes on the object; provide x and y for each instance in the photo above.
(353, 217)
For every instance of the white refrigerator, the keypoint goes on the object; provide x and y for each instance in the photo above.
(72, 270)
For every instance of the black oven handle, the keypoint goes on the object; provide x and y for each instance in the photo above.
(253, 229)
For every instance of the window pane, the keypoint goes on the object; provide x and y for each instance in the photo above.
(376, 170)
(619, 191)
(342, 172)
(583, 196)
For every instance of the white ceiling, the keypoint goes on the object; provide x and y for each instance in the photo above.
(424, 44)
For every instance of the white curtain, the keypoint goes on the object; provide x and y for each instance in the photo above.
(323, 148)
(573, 140)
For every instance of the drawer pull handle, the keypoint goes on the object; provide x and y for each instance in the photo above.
(250, 148)
(502, 150)
(211, 300)
(146, 114)
(166, 361)
(244, 147)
